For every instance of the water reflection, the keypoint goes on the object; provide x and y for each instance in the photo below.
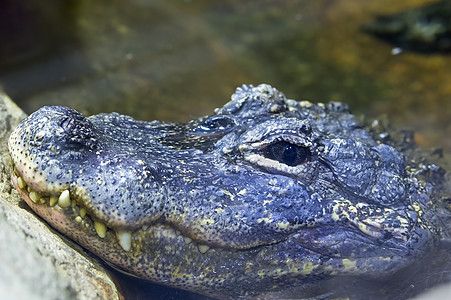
(178, 60)
(156, 60)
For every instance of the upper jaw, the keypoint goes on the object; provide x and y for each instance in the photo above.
(373, 222)
(384, 238)
(394, 238)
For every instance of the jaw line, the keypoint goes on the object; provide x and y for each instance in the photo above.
(68, 219)
(110, 249)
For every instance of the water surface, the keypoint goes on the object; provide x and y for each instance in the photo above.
(177, 60)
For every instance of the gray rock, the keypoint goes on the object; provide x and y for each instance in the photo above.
(37, 263)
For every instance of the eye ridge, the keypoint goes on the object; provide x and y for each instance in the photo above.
(287, 153)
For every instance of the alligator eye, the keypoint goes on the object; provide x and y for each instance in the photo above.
(287, 153)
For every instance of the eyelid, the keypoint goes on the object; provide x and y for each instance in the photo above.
(256, 147)
(277, 152)
(295, 140)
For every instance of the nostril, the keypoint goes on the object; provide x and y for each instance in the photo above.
(78, 130)
(67, 123)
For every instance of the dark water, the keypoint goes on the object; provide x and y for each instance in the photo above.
(180, 59)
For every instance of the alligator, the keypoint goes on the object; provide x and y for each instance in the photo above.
(267, 194)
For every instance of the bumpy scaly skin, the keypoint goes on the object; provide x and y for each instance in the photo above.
(215, 206)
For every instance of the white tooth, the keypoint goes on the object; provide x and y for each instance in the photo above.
(100, 229)
(64, 199)
(188, 240)
(21, 183)
(16, 171)
(34, 196)
(82, 212)
(53, 200)
(125, 239)
(42, 200)
(203, 248)
(78, 219)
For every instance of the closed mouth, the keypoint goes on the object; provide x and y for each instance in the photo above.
(64, 206)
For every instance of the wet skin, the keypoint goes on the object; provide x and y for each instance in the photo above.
(264, 195)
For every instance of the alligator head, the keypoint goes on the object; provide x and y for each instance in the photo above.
(265, 194)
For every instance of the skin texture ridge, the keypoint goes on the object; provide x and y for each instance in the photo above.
(264, 195)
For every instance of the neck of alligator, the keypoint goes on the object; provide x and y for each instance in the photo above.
(265, 194)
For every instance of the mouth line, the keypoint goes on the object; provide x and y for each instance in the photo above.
(63, 206)
(73, 213)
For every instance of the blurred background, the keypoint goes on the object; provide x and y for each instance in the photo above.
(178, 60)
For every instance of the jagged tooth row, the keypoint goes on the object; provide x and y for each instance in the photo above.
(124, 237)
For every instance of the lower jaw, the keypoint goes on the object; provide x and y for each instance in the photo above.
(109, 248)
(83, 230)
(74, 220)
(66, 215)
